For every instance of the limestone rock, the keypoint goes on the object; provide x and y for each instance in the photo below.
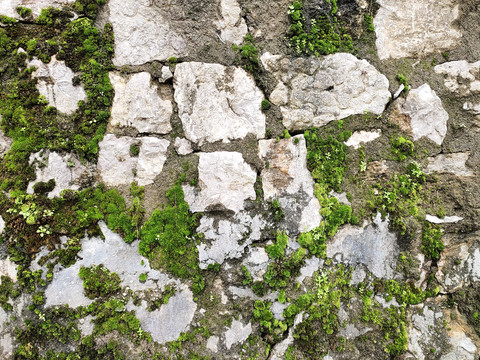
(428, 117)
(7, 7)
(460, 76)
(9, 269)
(415, 28)
(138, 104)
(217, 102)
(183, 146)
(117, 166)
(449, 163)
(212, 343)
(257, 262)
(287, 179)
(313, 92)
(445, 220)
(374, 246)
(361, 137)
(67, 171)
(237, 333)
(5, 143)
(225, 238)
(225, 182)
(232, 26)
(56, 85)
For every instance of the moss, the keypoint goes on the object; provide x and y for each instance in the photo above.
(265, 105)
(402, 148)
(23, 11)
(432, 244)
(7, 20)
(98, 281)
(248, 59)
(277, 211)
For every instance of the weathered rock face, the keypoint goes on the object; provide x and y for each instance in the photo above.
(449, 163)
(183, 146)
(232, 26)
(67, 171)
(217, 102)
(117, 164)
(138, 104)
(225, 182)
(460, 76)
(415, 28)
(374, 246)
(5, 143)
(287, 179)
(8, 268)
(428, 117)
(7, 7)
(237, 333)
(313, 92)
(56, 85)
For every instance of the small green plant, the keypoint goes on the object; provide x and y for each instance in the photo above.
(143, 277)
(265, 104)
(172, 60)
(7, 20)
(369, 23)
(98, 281)
(249, 56)
(23, 11)
(278, 213)
(247, 276)
(401, 148)
(432, 244)
(134, 150)
(403, 80)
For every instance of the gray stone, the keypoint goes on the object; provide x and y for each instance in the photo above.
(313, 92)
(86, 325)
(311, 265)
(7, 7)
(2, 225)
(279, 350)
(374, 246)
(428, 117)
(463, 347)
(287, 179)
(67, 171)
(415, 28)
(56, 85)
(9, 269)
(183, 146)
(138, 104)
(5, 142)
(277, 309)
(424, 332)
(217, 102)
(6, 340)
(460, 76)
(449, 163)
(445, 220)
(225, 182)
(361, 137)
(225, 238)
(232, 26)
(237, 333)
(257, 262)
(212, 343)
(117, 166)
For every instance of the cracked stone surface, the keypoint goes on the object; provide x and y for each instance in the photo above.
(217, 103)
(225, 181)
(425, 332)
(232, 26)
(56, 85)
(138, 104)
(460, 76)
(312, 91)
(237, 333)
(415, 28)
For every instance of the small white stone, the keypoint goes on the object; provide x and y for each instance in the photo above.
(237, 333)
(183, 146)
(445, 220)
(361, 137)
(212, 343)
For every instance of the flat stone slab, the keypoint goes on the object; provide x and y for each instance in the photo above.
(217, 103)
(312, 91)
(449, 163)
(225, 181)
(138, 104)
(415, 28)
(460, 76)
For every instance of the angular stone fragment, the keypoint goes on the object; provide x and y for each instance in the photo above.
(225, 182)
(460, 76)
(361, 137)
(138, 104)
(445, 220)
(449, 163)
(415, 28)
(237, 333)
(217, 102)
(313, 92)
(287, 179)
(232, 26)
(67, 171)
(428, 117)
(183, 146)
(56, 85)
(118, 166)
(9, 269)
(5, 143)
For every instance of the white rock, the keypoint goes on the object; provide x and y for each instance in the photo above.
(7, 7)
(257, 263)
(143, 33)
(279, 350)
(415, 28)
(225, 182)
(138, 104)
(428, 117)
(449, 163)
(212, 343)
(399, 91)
(423, 332)
(56, 85)
(374, 246)
(311, 265)
(361, 137)
(5, 142)
(2, 225)
(463, 347)
(459, 76)
(237, 333)
(117, 166)
(66, 170)
(287, 179)
(217, 102)
(313, 92)
(232, 26)
(183, 146)
(445, 220)
(8, 268)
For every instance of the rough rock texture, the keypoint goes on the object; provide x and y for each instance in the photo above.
(217, 102)
(55, 84)
(237, 333)
(8, 268)
(313, 92)
(232, 26)
(7, 7)
(360, 137)
(449, 163)
(138, 104)
(288, 180)
(117, 165)
(67, 171)
(428, 117)
(374, 246)
(460, 76)
(5, 143)
(415, 28)
(225, 238)
(225, 182)
(183, 146)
